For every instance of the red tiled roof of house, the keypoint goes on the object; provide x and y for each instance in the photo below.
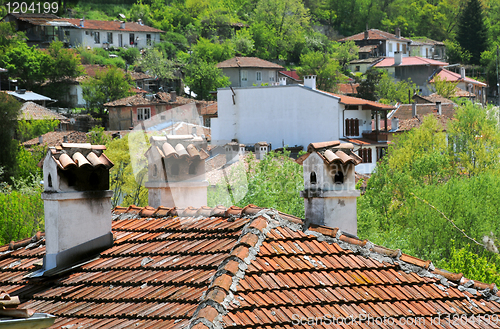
(417, 121)
(348, 88)
(409, 61)
(33, 111)
(433, 98)
(291, 74)
(374, 34)
(348, 100)
(251, 267)
(404, 111)
(248, 62)
(141, 99)
(111, 26)
(56, 138)
(447, 75)
(210, 109)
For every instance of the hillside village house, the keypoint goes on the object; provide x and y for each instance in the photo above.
(477, 88)
(41, 29)
(249, 71)
(296, 115)
(211, 268)
(418, 69)
(428, 48)
(375, 43)
(151, 109)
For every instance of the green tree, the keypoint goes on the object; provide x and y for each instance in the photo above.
(345, 52)
(367, 88)
(203, 77)
(390, 92)
(154, 63)
(63, 63)
(107, 85)
(326, 68)
(27, 130)
(9, 110)
(444, 87)
(28, 64)
(472, 32)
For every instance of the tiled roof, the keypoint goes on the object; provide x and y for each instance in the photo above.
(374, 34)
(367, 49)
(248, 62)
(348, 88)
(141, 99)
(210, 109)
(417, 121)
(463, 93)
(78, 155)
(348, 100)
(404, 111)
(456, 77)
(425, 41)
(56, 138)
(433, 98)
(171, 146)
(244, 268)
(333, 152)
(409, 61)
(33, 111)
(111, 26)
(291, 74)
(42, 19)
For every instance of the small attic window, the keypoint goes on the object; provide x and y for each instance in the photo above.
(312, 178)
(192, 168)
(175, 169)
(339, 178)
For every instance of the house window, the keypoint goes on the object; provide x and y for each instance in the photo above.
(97, 37)
(258, 76)
(66, 34)
(390, 47)
(120, 40)
(404, 48)
(110, 37)
(357, 68)
(397, 45)
(271, 76)
(352, 127)
(427, 52)
(366, 155)
(132, 39)
(244, 75)
(148, 39)
(381, 151)
(143, 113)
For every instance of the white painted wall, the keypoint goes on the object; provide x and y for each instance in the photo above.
(394, 45)
(290, 115)
(79, 37)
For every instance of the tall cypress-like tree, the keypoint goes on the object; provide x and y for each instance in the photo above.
(472, 32)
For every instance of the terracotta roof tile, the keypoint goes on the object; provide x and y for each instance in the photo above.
(232, 266)
(159, 98)
(292, 75)
(248, 62)
(33, 111)
(410, 61)
(456, 77)
(111, 25)
(374, 34)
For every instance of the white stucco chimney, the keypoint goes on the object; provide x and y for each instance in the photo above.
(173, 96)
(439, 108)
(82, 22)
(329, 185)
(40, 139)
(413, 110)
(366, 34)
(462, 73)
(398, 58)
(122, 25)
(261, 150)
(310, 81)
(282, 81)
(176, 171)
(77, 204)
(395, 124)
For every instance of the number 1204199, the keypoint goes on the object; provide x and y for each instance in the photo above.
(32, 8)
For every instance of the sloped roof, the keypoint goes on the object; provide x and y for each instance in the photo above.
(172, 147)
(332, 152)
(111, 26)
(433, 98)
(409, 61)
(78, 155)
(41, 19)
(56, 138)
(248, 62)
(374, 34)
(214, 267)
(33, 111)
(417, 121)
(354, 101)
(425, 41)
(348, 88)
(210, 109)
(141, 99)
(404, 111)
(456, 77)
(27, 96)
(292, 74)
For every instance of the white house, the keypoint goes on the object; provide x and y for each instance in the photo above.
(374, 43)
(249, 71)
(97, 34)
(297, 115)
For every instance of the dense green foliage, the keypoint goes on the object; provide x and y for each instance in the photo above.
(10, 109)
(274, 182)
(27, 130)
(472, 32)
(107, 85)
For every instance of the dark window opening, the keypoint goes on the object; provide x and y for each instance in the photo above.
(366, 155)
(352, 127)
(50, 181)
(312, 178)
(381, 151)
(192, 169)
(175, 169)
(132, 39)
(339, 178)
(94, 180)
(155, 170)
(148, 39)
